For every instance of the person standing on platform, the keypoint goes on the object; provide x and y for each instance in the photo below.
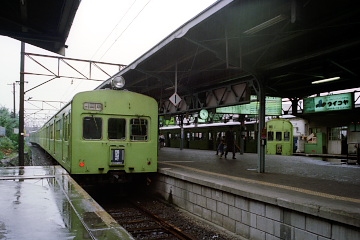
(162, 140)
(218, 141)
(230, 142)
(221, 148)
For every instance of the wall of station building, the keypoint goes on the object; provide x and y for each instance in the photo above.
(250, 218)
(319, 138)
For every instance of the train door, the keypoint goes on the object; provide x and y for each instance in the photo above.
(65, 138)
(168, 139)
(337, 140)
(188, 138)
(51, 139)
(58, 139)
(210, 140)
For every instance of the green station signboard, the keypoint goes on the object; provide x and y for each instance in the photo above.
(273, 107)
(344, 101)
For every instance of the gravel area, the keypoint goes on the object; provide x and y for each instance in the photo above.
(40, 158)
(192, 225)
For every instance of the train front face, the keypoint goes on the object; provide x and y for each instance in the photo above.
(114, 132)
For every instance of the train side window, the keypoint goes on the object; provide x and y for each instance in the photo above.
(66, 123)
(92, 128)
(270, 136)
(116, 128)
(278, 136)
(58, 130)
(210, 136)
(287, 136)
(51, 131)
(138, 129)
(252, 135)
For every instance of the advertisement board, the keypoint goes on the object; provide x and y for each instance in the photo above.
(344, 101)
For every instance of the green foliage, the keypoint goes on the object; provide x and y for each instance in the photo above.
(9, 143)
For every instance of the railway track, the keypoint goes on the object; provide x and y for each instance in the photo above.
(145, 224)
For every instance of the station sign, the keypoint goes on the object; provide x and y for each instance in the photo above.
(273, 107)
(344, 101)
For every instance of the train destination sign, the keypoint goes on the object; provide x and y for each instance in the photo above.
(273, 107)
(344, 101)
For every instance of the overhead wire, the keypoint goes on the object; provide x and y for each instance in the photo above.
(125, 29)
(123, 16)
(113, 29)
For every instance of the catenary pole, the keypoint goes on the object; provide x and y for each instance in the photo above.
(21, 106)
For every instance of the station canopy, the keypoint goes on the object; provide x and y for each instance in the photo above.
(42, 23)
(286, 44)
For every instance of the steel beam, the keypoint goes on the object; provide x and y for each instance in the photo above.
(234, 94)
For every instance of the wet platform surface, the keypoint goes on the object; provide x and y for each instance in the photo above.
(45, 203)
(324, 188)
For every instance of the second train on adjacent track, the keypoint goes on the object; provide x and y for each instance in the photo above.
(280, 139)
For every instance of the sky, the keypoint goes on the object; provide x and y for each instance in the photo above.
(109, 31)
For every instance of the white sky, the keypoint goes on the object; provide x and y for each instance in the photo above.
(110, 31)
(113, 31)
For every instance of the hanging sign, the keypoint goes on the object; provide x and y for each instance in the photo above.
(175, 99)
(329, 103)
(273, 107)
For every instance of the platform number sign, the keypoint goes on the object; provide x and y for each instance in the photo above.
(175, 99)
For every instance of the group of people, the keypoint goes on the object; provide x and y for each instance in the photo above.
(227, 144)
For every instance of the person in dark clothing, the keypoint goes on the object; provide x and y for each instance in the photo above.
(222, 147)
(218, 141)
(230, 142)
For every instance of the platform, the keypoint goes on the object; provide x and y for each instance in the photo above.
(325, 189)
(45, 203)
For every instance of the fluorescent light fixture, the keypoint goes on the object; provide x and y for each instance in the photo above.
(326, 80)
(266, 24)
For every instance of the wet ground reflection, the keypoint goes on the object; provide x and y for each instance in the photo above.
(45, 203)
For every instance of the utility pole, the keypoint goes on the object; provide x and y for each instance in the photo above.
(14, 111)
(14, 115)
(21, 106)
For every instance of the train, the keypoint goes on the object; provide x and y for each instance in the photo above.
(280, 138)
(103, 133)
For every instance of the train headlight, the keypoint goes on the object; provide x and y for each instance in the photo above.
(117, 82)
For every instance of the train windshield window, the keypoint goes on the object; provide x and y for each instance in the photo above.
(116, 128)
(286, 136)
(92, 128)
(278, 136)
(139, 129)
(270, 136)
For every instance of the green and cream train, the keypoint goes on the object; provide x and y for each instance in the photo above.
(103, 132)
(280, 139)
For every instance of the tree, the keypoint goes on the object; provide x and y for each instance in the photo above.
(9, 123)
